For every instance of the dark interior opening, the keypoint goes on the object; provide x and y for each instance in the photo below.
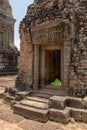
(52, 65)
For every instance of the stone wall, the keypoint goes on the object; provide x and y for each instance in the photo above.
(8, 51)
(74, 13)
(25, 76)
(78, 66)
(39, 13)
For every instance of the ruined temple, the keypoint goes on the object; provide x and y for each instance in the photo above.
(8, 51)
(53, 47)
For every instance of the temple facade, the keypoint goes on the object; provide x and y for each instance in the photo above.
(8, 51)
(53, 62)
(53, 46)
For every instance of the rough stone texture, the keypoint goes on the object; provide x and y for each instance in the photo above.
(37, 104)
(84, 116)
(78, 66)
(12, 94)
(85, 102)
(31, 112)
(8, 98)
(75, 102)
(32, 124)
(41, 13)
(61, 109)
(63, 22)
(59, 115)
(8, 51)
(76, 114)
(38, 99)
(24, 79)
(33, 109)
(57, 102)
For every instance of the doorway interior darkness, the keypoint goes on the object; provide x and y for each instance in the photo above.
(52, 66)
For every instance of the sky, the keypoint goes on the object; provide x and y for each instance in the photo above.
(19, 8)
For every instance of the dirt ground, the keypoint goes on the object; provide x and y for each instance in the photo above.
(7, 81)
(10, 121)
(4, 125)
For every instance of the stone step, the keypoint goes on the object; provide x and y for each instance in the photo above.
(75, 113)
(31, 112)
(42, 95)
(78, 114)
(57, 102)
(35, 104)
(60, 102)
(35, 108)
(60, 115)
(75, 102)
(8, 98)
(38, 99)
(52, 91)
(23, 93)
(68, 113)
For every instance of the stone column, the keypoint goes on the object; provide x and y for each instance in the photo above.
(67, 54)
(36, 66)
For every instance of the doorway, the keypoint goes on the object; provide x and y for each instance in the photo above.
(52, 66)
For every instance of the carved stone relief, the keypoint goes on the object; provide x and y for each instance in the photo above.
(55, 33)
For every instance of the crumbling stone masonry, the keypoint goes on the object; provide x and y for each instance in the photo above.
(54, 25)
(8, 51)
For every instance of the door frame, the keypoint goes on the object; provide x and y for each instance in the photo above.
(42, 65)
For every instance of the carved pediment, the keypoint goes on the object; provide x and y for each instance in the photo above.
(58, 31)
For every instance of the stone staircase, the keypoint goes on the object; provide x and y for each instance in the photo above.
(64, 108)
(55, 108)
(42, 94)
(33, 108)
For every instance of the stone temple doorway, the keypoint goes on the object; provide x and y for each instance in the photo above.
(50, 65)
